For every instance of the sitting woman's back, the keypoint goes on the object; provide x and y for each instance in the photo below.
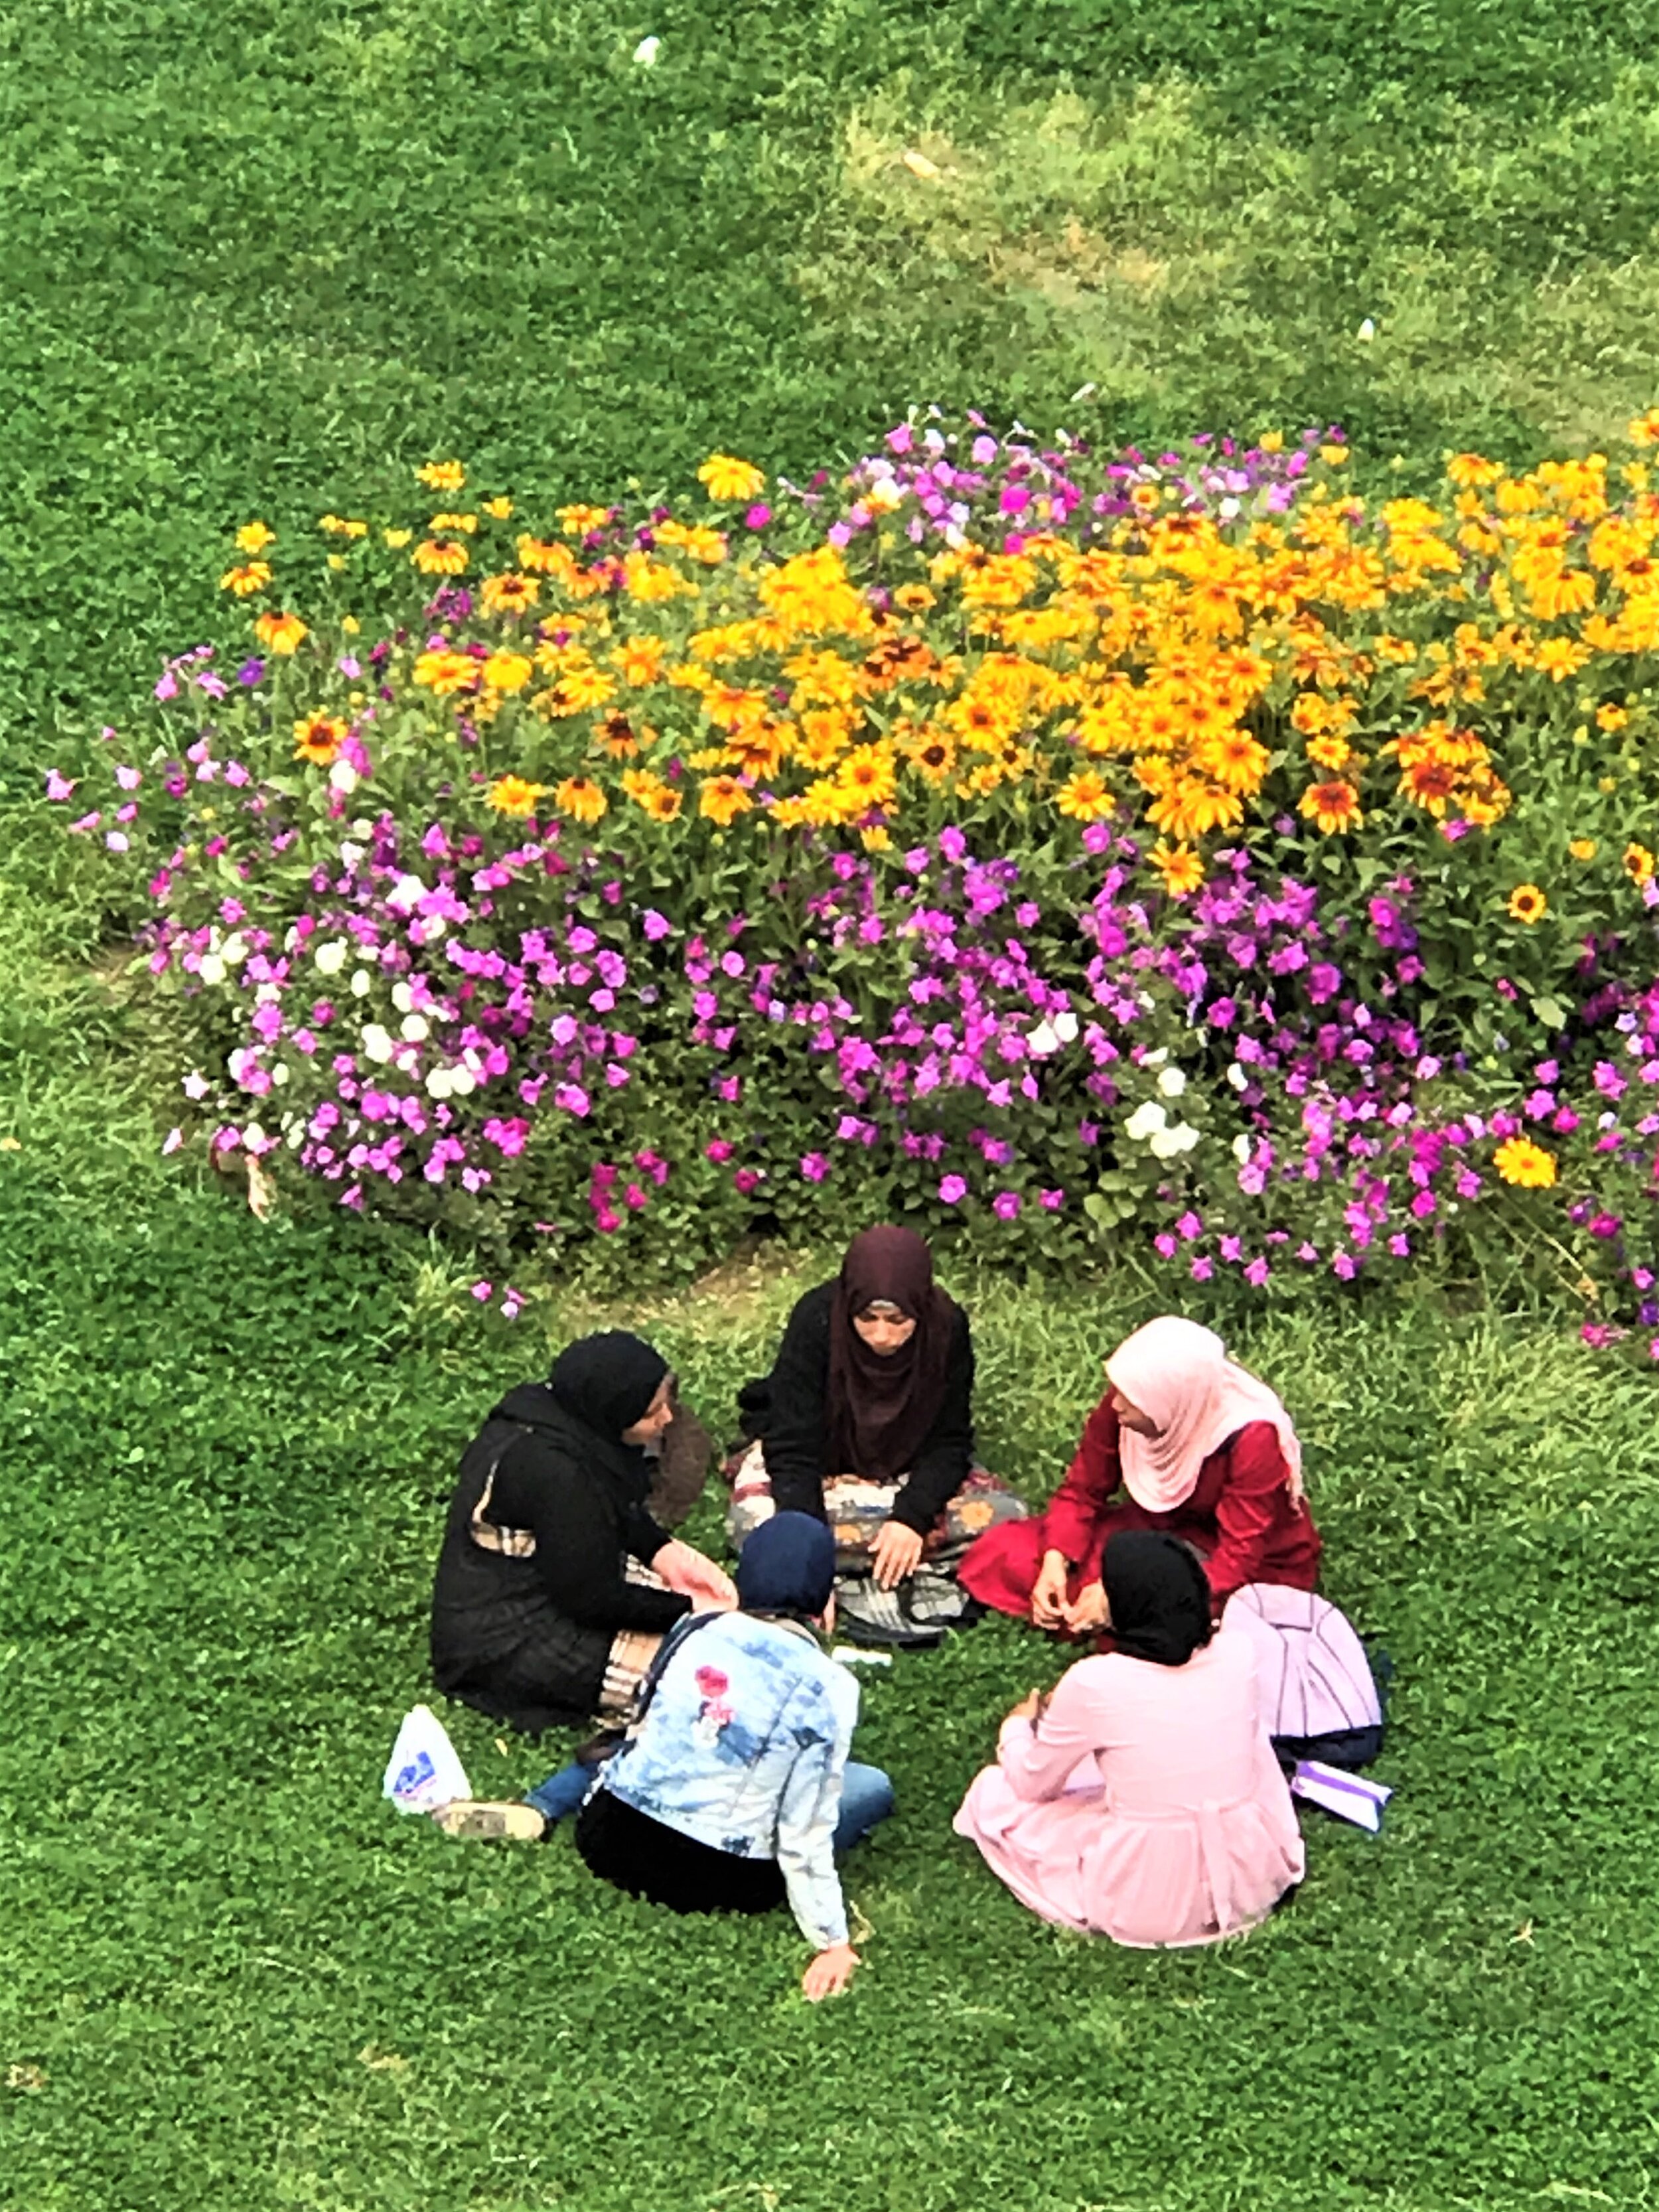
(1145, 1802)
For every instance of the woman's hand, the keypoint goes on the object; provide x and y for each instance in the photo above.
(1090, 1613)
(709, 1588)
(827, 1975)
(1048, 1591)
(1029, 1708)
(898, 1554)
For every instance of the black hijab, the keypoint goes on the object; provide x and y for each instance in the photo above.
(1159, 1596)
(882, 1407)
(599, 1386)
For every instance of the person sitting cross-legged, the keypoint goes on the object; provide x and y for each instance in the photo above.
(733, 1791)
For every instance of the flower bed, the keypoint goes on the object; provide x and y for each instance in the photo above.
(1172, 850)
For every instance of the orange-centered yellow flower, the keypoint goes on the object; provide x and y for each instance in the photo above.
(1331, 806)
(253, 538)
(1180, 866)
(281, 633)
(245, 578)
(1520, 1161)
(442, 475)
(724, 477)
(581, 797)
(723, 798)
(435, 556)
(512, 794)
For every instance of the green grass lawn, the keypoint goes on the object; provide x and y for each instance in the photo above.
(258, 260)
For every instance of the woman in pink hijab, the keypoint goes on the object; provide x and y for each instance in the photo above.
(1184, 1442)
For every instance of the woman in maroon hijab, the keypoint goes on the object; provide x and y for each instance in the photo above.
(866, 1421)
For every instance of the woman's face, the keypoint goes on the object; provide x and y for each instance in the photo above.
(883, 1328)
(656, 1417)
(1130, 1415)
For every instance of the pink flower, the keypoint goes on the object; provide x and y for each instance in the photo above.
(952, 1190)
(746, 1180)
(483, 1291)
(1257, 1273)
(128, 778)
(1051, 1200)
(1202, 1270)
(1005, 1205)
(171, 1142)
(718, 1151)
(814, 1166)
(58, 786)
(655, 925)
(607, 1224)
(1164, 1245)
(757, 516)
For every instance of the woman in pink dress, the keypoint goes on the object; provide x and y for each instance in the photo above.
(1142, 1799)
(1185, 1441)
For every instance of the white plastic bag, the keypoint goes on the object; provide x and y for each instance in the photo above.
(424, 1772)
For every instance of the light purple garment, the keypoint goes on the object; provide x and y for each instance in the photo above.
(1146, 1805)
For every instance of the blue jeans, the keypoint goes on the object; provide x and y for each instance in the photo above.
(866, 1799)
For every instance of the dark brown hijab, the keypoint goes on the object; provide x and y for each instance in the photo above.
(882, 1407)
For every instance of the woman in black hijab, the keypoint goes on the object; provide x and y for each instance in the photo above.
(555, 1585)
(866, 1420)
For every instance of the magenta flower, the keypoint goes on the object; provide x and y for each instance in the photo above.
(483, 1291)
(952, 1189)
(1051, 1200)
(1006, 1205)
(747, 1180)
(717, 1150)
(814, 1166)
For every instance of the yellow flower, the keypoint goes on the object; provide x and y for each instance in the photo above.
(1520, 1161)
(1611, 718)
(1639, 864)
(433, 557)
(246, 577)
(253, 538)
(1180, 866)
(725, 478)
(1472, 470)
(444, 671)
(1272, 441)
(581, 797)
(1085, 797)
(722, 798)
(396, 540)
(1581, 848)
(1644, 430)
(441, 476)
(350, 624)
(318, 738)
(281, 633)
(507, 671)
(509, 594)
(664, 803)
(511, 795)
(1334, 456)
(1527, 904)
(467, 523)
(914, 599)
(338, 526)
(1331, 806)
(867, 775)
(336, 561)
(639, 660)
(1330, 752)
(877, 840)
(500, 508)
(577, 521)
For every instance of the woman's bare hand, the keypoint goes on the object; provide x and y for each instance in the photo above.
(898, 1554)
(1090, 1612)
(828, 1974)
(1048, 1591)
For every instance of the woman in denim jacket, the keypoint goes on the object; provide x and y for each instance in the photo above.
(734, 1790)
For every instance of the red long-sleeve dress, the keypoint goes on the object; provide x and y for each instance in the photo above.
(1240, 1516)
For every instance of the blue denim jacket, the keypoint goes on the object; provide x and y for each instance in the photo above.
(743, 1746)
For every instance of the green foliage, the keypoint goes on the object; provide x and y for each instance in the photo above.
(290, 247)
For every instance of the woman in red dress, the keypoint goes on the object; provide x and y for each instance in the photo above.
(1184, 1442)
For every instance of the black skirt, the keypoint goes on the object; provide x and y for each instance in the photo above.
(622, 1845)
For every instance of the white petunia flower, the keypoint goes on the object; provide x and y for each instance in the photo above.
(438, 1083)
(1172, 1082)
(1155, 1059)
(403, 997)
(211, 969)
(330, 955)
(1145, 1120)
(1168, 1143)
(408, 891)
(360, 983)
(233, 950)
(646, 52)
(343, 777)
(462, 1083)
(1241, 1149)
(1237, 1076)
(1065, 1026)
(1042, 1041)
(377, 1042)
(415, 1029)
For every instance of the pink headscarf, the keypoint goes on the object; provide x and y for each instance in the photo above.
(1178, 1374)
